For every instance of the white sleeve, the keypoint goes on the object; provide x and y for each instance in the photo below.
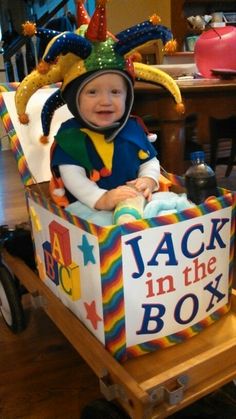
(75, 180)
(151, 169)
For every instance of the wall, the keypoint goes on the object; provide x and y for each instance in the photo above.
(124, 13)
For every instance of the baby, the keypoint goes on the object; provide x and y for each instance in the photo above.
(123, 161)
(101, 156)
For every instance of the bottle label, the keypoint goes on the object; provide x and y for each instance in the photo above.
(199, 189)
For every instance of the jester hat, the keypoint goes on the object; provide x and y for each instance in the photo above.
(91, 48)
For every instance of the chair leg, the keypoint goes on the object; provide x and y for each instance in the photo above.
(213, 150)
(231, 158)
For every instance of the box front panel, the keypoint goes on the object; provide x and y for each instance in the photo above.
(175, 276)
(68, 262)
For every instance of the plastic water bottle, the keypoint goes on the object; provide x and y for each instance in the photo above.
(200, 179)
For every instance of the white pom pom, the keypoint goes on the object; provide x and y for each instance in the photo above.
(152, 138)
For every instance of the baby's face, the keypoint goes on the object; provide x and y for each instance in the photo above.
(102, 100)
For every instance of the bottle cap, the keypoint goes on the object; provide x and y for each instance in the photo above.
(197, 155)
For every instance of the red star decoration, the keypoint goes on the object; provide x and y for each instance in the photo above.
(92, 314)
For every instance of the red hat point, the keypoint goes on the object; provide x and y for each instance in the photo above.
(81, 13)
(97, 29)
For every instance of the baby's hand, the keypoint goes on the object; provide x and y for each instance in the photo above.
(110, 199)
(144, 185)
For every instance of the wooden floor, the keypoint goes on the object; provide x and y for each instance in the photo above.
(42, 376)
(12, 198)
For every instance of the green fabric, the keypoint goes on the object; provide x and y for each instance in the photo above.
(73, 142)
(104, 57)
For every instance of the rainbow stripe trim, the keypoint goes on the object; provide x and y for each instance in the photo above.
(15, 142)
(113, 292)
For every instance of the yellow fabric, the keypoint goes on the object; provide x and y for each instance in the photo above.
(103, 148)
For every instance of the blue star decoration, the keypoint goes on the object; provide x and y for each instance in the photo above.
(87, 250)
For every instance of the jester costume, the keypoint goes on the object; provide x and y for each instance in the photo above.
(108, 161)
(74, 58)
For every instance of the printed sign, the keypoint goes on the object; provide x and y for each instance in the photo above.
(175, 275)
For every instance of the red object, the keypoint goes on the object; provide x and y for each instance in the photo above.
(60, 242)
(216, 49)
(82, 15)
(97, 30)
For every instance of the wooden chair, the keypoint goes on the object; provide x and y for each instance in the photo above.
(220, 130)
(150, 53)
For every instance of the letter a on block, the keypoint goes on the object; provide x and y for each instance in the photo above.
(60, 242)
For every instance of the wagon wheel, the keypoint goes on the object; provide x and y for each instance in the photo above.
(102, 409)
(10, 302)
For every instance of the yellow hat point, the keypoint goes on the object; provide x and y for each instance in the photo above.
(24, 119)
(180, 108)
(156, 75)
(29, 28)
(155, 19)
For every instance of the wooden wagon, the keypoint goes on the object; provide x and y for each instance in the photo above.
(149, 305)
